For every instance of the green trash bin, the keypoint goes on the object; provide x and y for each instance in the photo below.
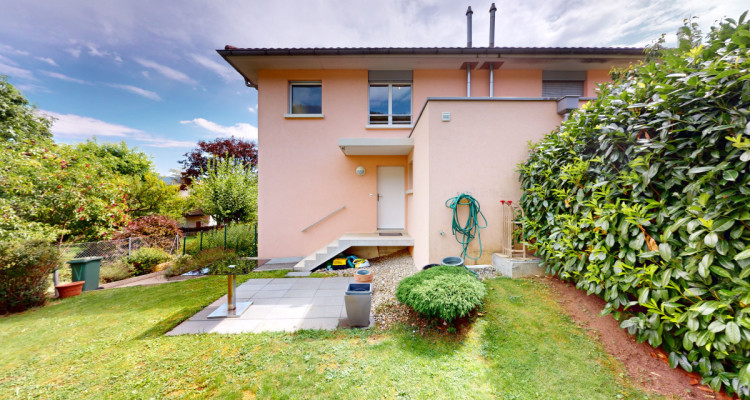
(86, 269)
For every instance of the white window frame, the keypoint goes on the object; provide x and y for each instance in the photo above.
(390, 105)
(291, 113)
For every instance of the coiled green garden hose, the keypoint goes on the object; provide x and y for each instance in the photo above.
(470, 229)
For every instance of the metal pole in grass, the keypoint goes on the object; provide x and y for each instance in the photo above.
(201, 246)
(184, 242)
(225, 236)
(255, 238)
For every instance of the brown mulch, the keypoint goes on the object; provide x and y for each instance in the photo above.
(647, 366)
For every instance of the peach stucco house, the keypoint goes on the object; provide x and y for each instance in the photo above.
(353, 141)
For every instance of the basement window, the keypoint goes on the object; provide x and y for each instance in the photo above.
(558, 84)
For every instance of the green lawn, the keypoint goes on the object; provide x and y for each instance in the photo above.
(109, 344)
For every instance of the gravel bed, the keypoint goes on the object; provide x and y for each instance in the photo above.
(387, 273)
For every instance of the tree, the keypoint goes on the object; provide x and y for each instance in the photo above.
(150, 195)
(229, 191)
(56, 186)
(118, 157)
(196, 164)
(18, 122)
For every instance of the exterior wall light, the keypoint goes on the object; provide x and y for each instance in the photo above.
(360, 170)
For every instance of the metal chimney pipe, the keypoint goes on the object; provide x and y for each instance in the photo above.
(468, 26)
(492, 25)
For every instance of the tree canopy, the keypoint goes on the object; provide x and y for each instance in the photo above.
(196, 163)
(55, 191)
(228, 192)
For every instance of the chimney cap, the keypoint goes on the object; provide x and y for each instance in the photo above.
(469, 11)
(493, 8)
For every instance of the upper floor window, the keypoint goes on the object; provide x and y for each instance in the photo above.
(305, 98)
(390, 98)
(562, 83)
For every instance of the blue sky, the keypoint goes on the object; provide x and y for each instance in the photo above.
(146, 72)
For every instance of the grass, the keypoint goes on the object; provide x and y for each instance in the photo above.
(109, 344)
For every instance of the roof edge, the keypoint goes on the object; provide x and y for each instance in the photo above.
(351, 51)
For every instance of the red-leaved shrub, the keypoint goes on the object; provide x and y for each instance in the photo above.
(160, 229)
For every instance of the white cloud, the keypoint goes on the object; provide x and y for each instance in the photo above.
(12, 50)
(165, 71)
(63, 77)
(77, 127)
(253, 109)
(15, 72)
(94, 51)
(162, 142)
(221, 69)
(75, 52)
(73, 126)
(136, 90)
(146, 74)
(240, 130)
(48, 61)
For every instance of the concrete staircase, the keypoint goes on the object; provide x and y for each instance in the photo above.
(348, 240)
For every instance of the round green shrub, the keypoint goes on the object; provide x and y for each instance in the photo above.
(24, 273)
(443, 292)
(145, 259)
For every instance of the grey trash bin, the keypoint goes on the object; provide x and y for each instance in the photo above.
(357, 300)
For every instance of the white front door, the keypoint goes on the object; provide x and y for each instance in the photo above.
(391, 198)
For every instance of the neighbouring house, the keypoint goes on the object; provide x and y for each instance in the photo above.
(356, 141)
(198, 219)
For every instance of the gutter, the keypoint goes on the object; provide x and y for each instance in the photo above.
(224, 54)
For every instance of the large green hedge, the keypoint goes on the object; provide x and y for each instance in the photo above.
(643, 197)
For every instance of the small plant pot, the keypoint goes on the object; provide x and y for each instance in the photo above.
(70, 289)
(363, 276)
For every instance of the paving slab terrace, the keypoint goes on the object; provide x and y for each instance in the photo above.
(279, 304)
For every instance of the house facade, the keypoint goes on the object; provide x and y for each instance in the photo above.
(361, 140)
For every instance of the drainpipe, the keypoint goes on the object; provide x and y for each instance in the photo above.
(468, 26)
(492, 79)
(492, 44)
(468, 44)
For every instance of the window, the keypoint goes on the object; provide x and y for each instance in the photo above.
(562, 83)
(390, 98)
(390, 104)
(305, 98)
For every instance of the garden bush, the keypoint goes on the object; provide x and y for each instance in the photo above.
(144, 260)
(444, 292)
(240, 238)
(161, 230)
(642, 198)
(116, 271)
(24, 273)
(203, 259)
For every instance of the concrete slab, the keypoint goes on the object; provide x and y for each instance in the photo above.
(516, 267)
(268, 294)
(323, 312)
(281, 304)
(300, 293)
(298, 274)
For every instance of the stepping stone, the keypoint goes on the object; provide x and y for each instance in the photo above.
(297, 274)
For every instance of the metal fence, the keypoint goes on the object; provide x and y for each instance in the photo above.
(113, 250)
